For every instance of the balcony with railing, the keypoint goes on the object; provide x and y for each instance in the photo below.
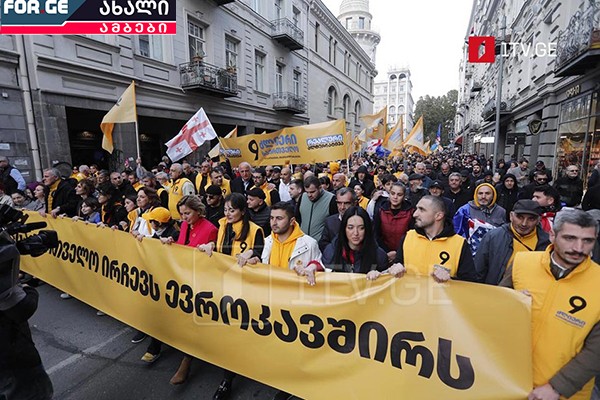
(476, 87)
(289, 102)
(578, 47)
(489, 110)
(288, 34)
(198, 75)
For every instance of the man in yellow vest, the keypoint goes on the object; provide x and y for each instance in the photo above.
(433, 248)
(182, 186)
(563, 284)
(217, 178)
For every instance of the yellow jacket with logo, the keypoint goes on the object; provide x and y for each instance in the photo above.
(238, 246)
(176, 194)
(563, 312)
(419, 254)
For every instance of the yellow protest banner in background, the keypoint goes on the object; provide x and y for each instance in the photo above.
(293, 145)
(345, 338)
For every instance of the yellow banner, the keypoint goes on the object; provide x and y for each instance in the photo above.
(294, 145)
(345, 338)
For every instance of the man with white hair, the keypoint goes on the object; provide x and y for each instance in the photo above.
(421, 169)
(61, 197)
(284, 184)
(181, 186)
(244, 182)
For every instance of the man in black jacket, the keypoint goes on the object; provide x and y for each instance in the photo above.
(60, 197)
(244, 182)
(362, 177)
(22, 375)
(498, 247)
(345, 198)
(570, 187)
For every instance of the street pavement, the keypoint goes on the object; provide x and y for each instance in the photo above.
(89, 357)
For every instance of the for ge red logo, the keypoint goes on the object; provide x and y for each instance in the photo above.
(482, 49)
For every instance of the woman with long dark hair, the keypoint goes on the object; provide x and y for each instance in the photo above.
(354, 249)
(239, 237)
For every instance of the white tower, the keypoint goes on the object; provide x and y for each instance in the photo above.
(355, 16)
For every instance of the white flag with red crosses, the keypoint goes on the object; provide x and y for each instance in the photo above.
(193, 134)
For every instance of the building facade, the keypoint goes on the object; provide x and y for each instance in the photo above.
(549, 83)
(356, 18)
(395, 93)
(250, 64)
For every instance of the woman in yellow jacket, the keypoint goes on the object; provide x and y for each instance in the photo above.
(239, 237)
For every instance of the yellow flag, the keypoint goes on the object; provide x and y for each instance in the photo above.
(376, 124)
(415, 140)
(123, 111)
(214, 152)
(393, 139)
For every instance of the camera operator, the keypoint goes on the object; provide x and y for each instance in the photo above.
(22, 375)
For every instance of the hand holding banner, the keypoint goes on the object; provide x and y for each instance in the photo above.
(454, 341)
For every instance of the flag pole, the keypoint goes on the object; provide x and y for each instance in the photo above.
(137, 134)
(137, 140)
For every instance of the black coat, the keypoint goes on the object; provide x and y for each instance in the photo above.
(64, 197)
(17, 350)
(591, 200)
(237, 185)
(330, 231)
(570, 190)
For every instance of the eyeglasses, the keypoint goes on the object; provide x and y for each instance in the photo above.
(212, 196)
(541, 179)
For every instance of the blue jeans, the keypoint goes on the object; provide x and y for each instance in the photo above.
(26, 384)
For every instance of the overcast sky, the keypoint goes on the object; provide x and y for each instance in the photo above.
(425, 35)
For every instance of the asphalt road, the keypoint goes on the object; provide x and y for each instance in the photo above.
(92, 358)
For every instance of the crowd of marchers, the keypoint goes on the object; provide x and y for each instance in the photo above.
(446, 216)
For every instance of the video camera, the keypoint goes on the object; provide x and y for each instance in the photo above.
(13, 223)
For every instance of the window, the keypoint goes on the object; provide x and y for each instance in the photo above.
(392, 111)
(256, 6)
(278, 78)
(346, 106)
(357, 112)
(231, 52)
(296, 82)
(330, 48)
(317, 33)
(335, 52)
(259, 71)
(331, 100)
(195, 39)
(346, 62)
(361, 22)
(151, 46)
(277, 9)
(348, 20)
(296, 16)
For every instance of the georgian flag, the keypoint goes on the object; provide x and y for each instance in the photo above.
(477, 230)
(373, 145)
(193, 134)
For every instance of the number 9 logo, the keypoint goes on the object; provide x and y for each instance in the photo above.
(253, 147)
